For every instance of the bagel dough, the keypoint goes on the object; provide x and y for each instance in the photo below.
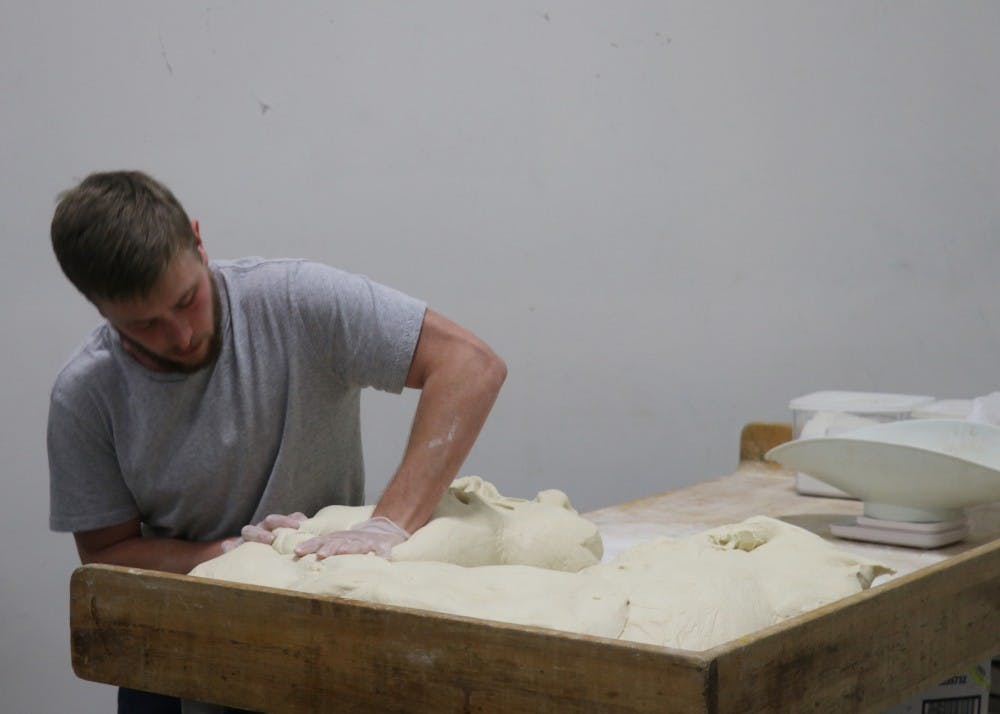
(537, 563)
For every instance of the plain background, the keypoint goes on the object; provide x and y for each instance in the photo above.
(668, 217)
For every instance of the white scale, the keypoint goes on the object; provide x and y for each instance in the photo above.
(915, 477)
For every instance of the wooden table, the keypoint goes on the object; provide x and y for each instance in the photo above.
(281, 651)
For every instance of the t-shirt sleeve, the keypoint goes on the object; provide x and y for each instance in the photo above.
(369, 330)
(86, 490)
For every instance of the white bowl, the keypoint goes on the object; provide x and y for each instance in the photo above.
(919, 470)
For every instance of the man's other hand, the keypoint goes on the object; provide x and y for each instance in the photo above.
(263, 532)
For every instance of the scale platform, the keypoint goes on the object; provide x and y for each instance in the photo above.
(915, 477)
(913, 535)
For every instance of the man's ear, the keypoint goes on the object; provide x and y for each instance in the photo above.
(199, 246)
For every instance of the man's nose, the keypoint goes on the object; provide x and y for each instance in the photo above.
(181, 332)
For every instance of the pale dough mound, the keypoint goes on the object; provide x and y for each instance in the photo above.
(475, 525)
(536, 563)
(712, 587)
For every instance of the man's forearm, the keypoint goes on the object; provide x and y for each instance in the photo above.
(452, 409)
(167, 554)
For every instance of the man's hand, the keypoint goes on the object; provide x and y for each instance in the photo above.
(377, 535)
(263, 532)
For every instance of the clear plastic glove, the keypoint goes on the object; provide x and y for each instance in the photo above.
(263, 532)
(229, 543)
(377, 535)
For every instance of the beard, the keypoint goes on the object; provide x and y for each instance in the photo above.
(165, 364)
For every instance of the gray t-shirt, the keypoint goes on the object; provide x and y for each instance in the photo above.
(272, 426)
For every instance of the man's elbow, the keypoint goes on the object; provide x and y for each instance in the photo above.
(497, 372)
(96, 556)
(491, 370)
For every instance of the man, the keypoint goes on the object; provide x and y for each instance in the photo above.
(221, 394)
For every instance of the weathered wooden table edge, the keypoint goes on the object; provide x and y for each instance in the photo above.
(281, 651)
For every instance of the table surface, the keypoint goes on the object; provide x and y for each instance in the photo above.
(759, 488)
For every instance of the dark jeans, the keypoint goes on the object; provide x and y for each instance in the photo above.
(132, 701)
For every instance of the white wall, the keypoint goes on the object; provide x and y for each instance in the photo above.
(669, 218)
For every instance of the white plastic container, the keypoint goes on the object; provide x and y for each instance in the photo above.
(944, 409)
(830, 413)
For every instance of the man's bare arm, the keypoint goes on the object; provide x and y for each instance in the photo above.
(123, 544)
(459, 377)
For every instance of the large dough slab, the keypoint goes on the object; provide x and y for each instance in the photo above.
(690, 593)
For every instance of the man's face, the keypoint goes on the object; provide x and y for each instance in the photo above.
(174, 328)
